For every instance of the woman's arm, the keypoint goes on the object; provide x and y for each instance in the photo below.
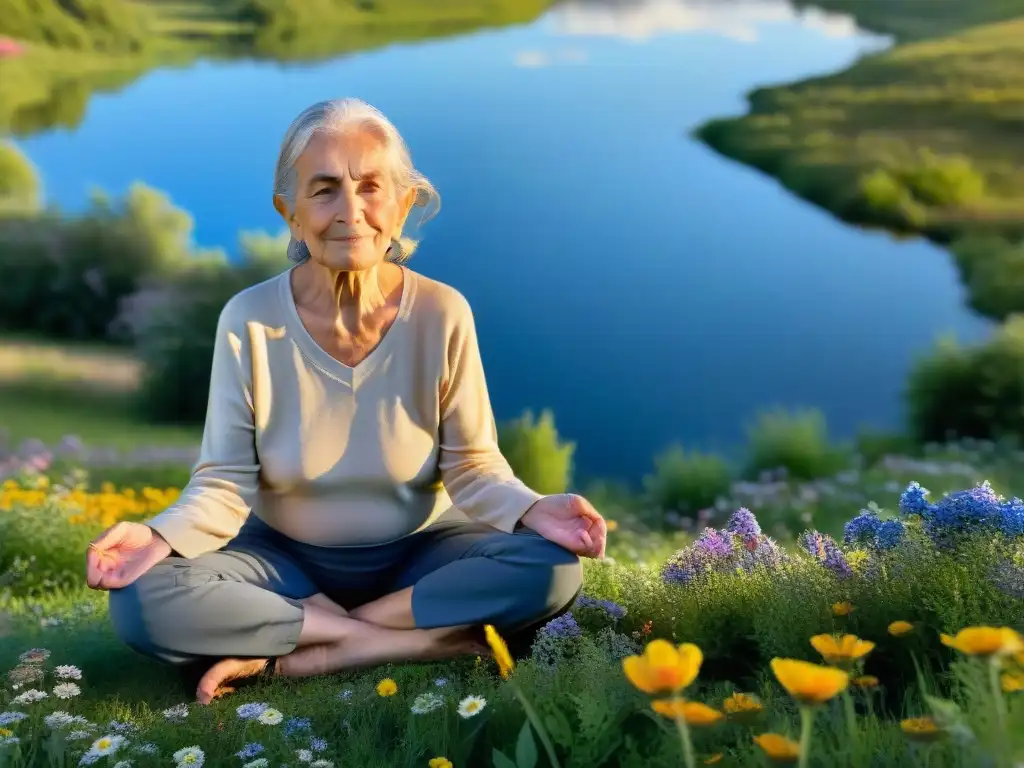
(220, 494)
(476, 475)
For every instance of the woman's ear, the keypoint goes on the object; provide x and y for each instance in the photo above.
(405, 204)
(281, 206)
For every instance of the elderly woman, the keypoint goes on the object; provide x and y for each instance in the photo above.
(350, 505)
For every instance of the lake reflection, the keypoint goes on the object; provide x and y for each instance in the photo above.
(644, 288)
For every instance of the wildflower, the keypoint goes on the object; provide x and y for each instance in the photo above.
(985, 641)
(34, 656)
(345, 694)
(89, 758)
(58, 719)
(249, 750)
(1012, 682)
(66, 690)
(862, 529)
(106, 745)
(693, 712)
(190, 756)
(921, 729)
(714, 759)
(125, 728)
(843, 608)
(825, 550)
(250, 711)
(387, 687)
(809, 684)
(865, 681)
(441, 682)
(177, 713)
(259, 762)
(562, 627)
(270, 716)
(440, 762)
(743, 524)
(663, 667)
(304, 755)
(68, 672)
(500, 650)
(147, 748)
(613, 610)
(426, 702)
(471, 705)
(890, 533)
(913, 501)
(123, 764)
(321, 764)
(900, 628)
(841, 650)
(7, 718)
(30, 696)
(24, 674)
(778, 747)
(317, 744)
(742, 706)
(296, 724)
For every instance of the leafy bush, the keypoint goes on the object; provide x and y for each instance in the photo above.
(174, 321)
(20, 191)
(101, 25)
(883, 197)
(797, 442)
(993, 270)
(535, 453)
(67, 277)
(973, 391)
(683, 483)
(943, 181)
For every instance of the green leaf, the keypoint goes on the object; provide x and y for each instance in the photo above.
(501, 761)
(526, 749)
(558, 728)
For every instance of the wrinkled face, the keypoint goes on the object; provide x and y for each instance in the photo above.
(347, 208)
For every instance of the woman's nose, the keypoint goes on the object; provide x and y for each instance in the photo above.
(348, 207)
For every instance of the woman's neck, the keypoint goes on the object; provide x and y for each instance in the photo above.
(347, 296)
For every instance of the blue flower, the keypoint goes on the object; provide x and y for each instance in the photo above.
(614, 610)
(562, 627)
(249, 751)
(862, 529)
(251, 711)
(743, 523)
(1011, 518)
(963, 512)
(295, 724)
(317, 744)
(890, 533)
(825, 550)
(913, 501)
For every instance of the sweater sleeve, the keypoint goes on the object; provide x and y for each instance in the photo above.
(475, 474)
(219, 496)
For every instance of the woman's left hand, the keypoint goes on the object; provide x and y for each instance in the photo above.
(570, 521)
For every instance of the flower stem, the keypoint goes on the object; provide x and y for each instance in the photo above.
(851, 722)
(1000, 703)
(534, 719)
(684, 735)
(806, 724)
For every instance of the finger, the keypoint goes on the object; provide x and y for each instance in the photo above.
(109, 537)
(97, 565)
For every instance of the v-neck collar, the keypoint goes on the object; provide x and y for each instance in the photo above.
(350, 375)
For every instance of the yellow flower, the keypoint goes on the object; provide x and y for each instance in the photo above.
(1012, 682)
(900, 628)
(841, 650)
(693, 712)
(808, 683)
(712, 759)
(663, 668)
(440, 762)
(921, 729)
(845, 608)
(611, 525)
(742, 706)
(778, 747)
(500, 651)
(985, 641)
(865, 681)
(387, 687)
(5, 732)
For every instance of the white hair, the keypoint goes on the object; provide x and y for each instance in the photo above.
(338, 116)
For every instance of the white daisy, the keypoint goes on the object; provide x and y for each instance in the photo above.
(89, 758)
(68, 672)
(66, 690)
(177, 713)
(189, 756)
(471, 705)
(107, 745)
(30, 696)
(426, 702)
(58, 719)
(270, 716)
(259, 762)
(304, 755)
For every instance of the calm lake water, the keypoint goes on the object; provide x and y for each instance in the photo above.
(644, 288)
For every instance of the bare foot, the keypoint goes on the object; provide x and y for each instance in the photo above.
(214, 683)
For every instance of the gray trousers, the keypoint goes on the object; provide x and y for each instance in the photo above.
(243, 600)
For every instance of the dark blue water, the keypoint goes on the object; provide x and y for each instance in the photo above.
(644, 288)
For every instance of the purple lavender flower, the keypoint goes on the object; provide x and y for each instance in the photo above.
(743, 524)
(862, 529)
(913, 501)
(717, 544)
(712, 551)
(890, 534)
(562, 627)
(825, 550)
(765, 553)
(613, 610)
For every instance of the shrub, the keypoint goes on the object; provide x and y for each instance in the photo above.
(535, 453)
(797, 442)
(882, 197)
(686, 482)
(943, 181)
(20, 190)
(993, 270)
(101, 25)
(174, 321)
(973, 391)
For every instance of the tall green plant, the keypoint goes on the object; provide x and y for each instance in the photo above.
(536, 453)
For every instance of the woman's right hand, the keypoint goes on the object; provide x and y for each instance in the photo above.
(122, 553)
